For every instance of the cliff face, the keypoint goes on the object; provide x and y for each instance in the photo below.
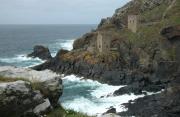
(147, 60)
(143, 52)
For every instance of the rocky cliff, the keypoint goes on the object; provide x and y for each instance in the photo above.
(145, 56)
(147, 60)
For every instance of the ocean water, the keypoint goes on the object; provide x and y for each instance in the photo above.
(16, 41)
(86, 96)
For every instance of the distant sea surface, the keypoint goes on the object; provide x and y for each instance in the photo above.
(16, 41)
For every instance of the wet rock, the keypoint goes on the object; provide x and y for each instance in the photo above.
(165, 104)
(111, 110)
(40, 52)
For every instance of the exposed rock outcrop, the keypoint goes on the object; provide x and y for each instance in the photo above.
(171, 33)
(40, 52)
(83, 42)
(18, 99)
(165, 104)
(52, 89)
(33, 94)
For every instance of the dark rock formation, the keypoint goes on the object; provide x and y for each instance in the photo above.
(165, 104)
(40, 52)
(111, 110)
(171, 33)
(18, 98)
(52, 89)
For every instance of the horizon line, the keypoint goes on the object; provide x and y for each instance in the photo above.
(49, 24)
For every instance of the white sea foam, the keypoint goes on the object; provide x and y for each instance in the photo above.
(67, 44)
(99, 99)
(21, 60)
(59, 43)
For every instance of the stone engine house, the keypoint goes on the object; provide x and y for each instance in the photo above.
(103, 43)
(133, 23)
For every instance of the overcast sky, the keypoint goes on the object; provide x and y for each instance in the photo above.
(57, 11)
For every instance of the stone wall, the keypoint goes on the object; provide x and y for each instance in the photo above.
(133, 23)
(103, 43)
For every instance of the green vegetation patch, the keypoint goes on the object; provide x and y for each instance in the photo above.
(7, 79)
(35, 85)
(61, 112)
(155, 14)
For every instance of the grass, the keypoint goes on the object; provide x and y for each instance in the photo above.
(91, 58)
(155, 14)
(148, 37)
(8, 79)
(34, 85)
(61, 112)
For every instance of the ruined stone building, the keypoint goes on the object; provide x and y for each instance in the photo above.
(133, 23)
(103, 42)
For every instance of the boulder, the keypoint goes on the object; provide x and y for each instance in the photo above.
(40, 52)
(52, 89)
(37, 96)
(18, 98)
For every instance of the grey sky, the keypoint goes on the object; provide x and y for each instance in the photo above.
(57, 11)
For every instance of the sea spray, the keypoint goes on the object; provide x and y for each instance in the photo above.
(91, 97)
(59, 44)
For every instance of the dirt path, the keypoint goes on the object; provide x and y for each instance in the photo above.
(170, 6)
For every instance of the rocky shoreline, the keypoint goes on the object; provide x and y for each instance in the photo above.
(145, 61)
(165, 104)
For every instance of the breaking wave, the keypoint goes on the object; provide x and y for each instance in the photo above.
(21, 61)
(91, 97)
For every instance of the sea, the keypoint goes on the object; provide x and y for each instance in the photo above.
(85, 96)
